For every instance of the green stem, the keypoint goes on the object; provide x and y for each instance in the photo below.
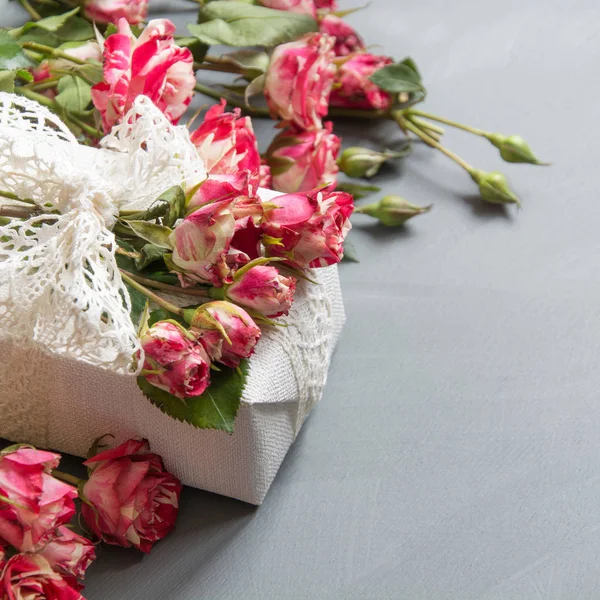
(406, 124)
(46, 84)
(151, 295)
(425, 124)
(124, 252)
(66, 477)
(43, 100)
(49, 51)
(473, 130)
(167, 287)
(220, 67)
(83, 125)
(16, 212)
(34, 14)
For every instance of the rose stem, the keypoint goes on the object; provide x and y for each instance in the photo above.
(67, 478)
(154, 297)
(404, 123)
(419, 113)
(222, 67)
(49, 51)
(34, 14)
(166, 287)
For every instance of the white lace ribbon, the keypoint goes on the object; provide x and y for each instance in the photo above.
(59, 282)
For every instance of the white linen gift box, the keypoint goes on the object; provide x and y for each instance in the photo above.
(66, 338)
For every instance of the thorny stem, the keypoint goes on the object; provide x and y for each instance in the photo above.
(151, 295)
(166, 287)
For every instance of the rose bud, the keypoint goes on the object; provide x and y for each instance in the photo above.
(220, 187)
(227, 331)
(392, 210)
(110, 11)
(30, 577)
(174, 360)
(304, 7)
(152, 65)
(261, 289)
(513, 149)
(130, 499)
(304, 160)
(32, 502)
(201, 242)
(308, 230)
(299, 79)
(364, 162)
(354, 89)
(69, 553)
(346, 37)
(493, 187)
(226, 143)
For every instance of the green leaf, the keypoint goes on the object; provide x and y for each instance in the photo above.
(217, 408)
(150, 253)
(399, 77)
(253, 62)
(7, 81)
(53, 23)
(175, 199)
(74, 94)
(26, 75)
(11, 54)
(238, 24)
(357, 190)
(138, 303)
(350, 252)
(155, 234)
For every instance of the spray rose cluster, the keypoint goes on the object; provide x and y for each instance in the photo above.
(128, 500)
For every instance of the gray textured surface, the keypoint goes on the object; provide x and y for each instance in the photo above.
(456, 452)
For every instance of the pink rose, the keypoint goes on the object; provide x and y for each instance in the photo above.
(69, 553)
(110, 11)
(151, 65)
(220, 187)
(222, 319)
(305, 7)
(38, 503)
(135, 501)
(353, 87)
(303, 160)
(263, 290)
(227, 144)
(175, 361)
(202, 240)
(347, 39)
(30, 577)
(299, 79)
(310, 227)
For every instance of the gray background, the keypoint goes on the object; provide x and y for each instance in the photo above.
(456, 452)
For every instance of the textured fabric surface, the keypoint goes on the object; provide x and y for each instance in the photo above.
(61, 403)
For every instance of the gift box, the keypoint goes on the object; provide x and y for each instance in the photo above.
(67, 341)
(52, 401)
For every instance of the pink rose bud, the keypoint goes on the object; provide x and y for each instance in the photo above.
(227, 144)
(299, 79)
(110, 11)
(305, 7)
(346, 37)
(134, 500)
(32, 502)
(69, 553)
(174, 361)
(202, 240)
(309, 229)
(228, 332)
(264, 290)
(353, 87)
(304, 160)
(30, 577)
(152, 65)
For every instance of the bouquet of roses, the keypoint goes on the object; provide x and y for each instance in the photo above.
(207, 265)
(128, 500)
